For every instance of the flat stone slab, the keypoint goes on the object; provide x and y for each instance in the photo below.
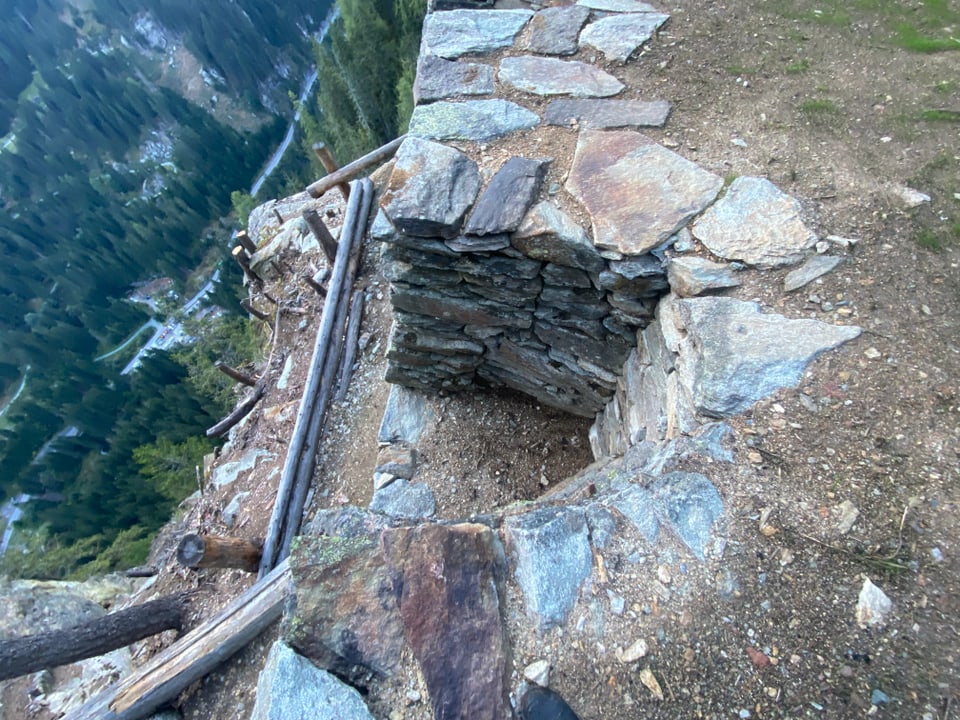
(551, 551)
(638, 193)
(635, 6)
(548, 233)
(405, 418)
(815, 266)
(448, 598)
(439, 79)
(733, 355)
(459, 32)
(478, 120)
(555, 30)
(430, 189)
(504, 202)
(405, 500)
(607, 114)
(691, 506)
(692, 276)
(619, 36)
(550, 76)
(756, 223)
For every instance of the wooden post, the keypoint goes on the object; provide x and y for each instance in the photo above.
(246, 241)
(350, 347)
(235, 374)
(240, 255)
(321, 233)
(248, 306)
(24, 655)
(330, 165)
(211, 551)
(351, 170)
(278, 216)
(239, 412)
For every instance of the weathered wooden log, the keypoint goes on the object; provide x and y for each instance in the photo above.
(350, 345)
(248, 306)
(193, 656)
(355, 217)
(235, 374)
(278, 216)
(351, 170)
(330, 165)
(320, 231)
(213, 551)
(239, 412)
(141, 571)
(24, 655)
(311, 281)
(243, 260)
(246, 241)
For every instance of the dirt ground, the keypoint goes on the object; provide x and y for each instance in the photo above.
(819, 98)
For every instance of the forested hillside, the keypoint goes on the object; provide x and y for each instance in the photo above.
(124, 127)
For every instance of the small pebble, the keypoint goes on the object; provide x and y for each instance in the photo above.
(663, 574)
(538, 672)
(633, 653)
(879, 697)
(872, 353)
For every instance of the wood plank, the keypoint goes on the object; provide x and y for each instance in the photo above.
(351, 170)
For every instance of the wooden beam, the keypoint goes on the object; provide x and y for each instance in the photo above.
(193, 656)
(350, 345)
(322, 233)
(248, 306)
(330, 165)
(213, 551)
(239, 412)
(351, 170)
(240, 255)
(246, 241)
(235, 374)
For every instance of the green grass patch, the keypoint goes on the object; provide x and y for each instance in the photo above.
(929, 240)
(735, 69)
(945, 87)
(949, 116)
(800, 66)
(909, 38)
(819, 106)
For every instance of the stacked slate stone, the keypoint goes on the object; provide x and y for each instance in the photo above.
(501, 287)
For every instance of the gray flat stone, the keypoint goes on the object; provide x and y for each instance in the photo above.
(636, 503)
(459, 32)
(619, 36)
(607, 114)
(691, 506)
(815, 266)
(477, 120)
(638, 193)
(691, 276)
(439, 79)
(290, 687)
(475, 243)
(547, 233)
(550, 76)
(733, 355)
(554, 30)
(406, 417)
(551, 552)
(404, 499)
(507, 198)
(617, 5)
(756, 223)
(430, 189)
(464, 310)
(562, 275)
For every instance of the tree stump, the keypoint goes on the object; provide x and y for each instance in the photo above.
(212, 551)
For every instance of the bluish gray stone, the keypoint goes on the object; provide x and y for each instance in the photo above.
(439, 79)
(405, 418)
(292, 688)
(691, 506)
(430, 189)
(635, 6)
(478, 120)
(554, 30)
(619, 36)
(756, 223)
(563, 275)
(548, 233)
(711, 441)
(551, 552)
(508, 196)
(404, 499)
(550, 76)
(733, 355)
(476, 243)
(459, 32)
(637, 505)
(607, 114)
(603, 525)
(690, 276)
(815, 266)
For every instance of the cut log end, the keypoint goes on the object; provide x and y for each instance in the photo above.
(211, 551)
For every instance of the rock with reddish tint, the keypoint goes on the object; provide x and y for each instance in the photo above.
(619, 177)
(446, 590)
(506, 199)
(554, 30)
(343, 615)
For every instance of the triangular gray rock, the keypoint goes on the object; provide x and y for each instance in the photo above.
(619, 36)
(404, 499)
(406, 417)
(291, 688)
(637, 192)
(459, 32)
(690, 504)
(733, 355)
(439, 79)
(691, 276)
(607, 114)
(756, 223)
(430, 189)
(478, 120)
(815, 266)
(554, 30)
(508, 196)
(550, 76)
(548, 233)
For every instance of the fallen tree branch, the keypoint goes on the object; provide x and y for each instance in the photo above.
(330, 165)
(351, 170)
(235, 374)
(239, 412)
